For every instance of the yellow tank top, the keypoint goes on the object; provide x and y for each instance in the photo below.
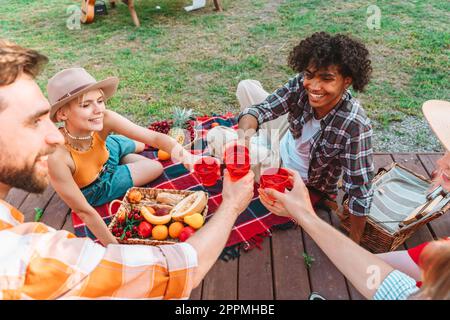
(88, 164)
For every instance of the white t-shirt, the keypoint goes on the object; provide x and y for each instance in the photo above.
(295, 152)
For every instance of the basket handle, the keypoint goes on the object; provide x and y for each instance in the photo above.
(421, 211)
(383, 170)
(111, 204)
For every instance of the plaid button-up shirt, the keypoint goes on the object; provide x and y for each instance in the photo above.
(343, 145)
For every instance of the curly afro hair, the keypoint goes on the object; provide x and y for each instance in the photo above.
(322, 49)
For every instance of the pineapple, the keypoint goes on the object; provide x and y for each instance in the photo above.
(180, 123)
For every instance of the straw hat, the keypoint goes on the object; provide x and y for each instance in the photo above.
(437, 113)
(74, 82)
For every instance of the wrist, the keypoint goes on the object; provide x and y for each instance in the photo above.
(249, 133)
(230, 207)
(304, 217)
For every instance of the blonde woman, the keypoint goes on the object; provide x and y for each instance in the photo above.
(95, 166)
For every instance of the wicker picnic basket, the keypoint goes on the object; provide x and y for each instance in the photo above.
(394, 215)
(149, 197)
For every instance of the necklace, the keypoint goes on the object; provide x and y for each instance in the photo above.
(78, 148)
(76, 138)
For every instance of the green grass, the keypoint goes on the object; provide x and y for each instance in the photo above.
(196, 59)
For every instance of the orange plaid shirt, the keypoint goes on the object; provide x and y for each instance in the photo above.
(39, 262)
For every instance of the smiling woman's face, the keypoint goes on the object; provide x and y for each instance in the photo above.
(85, 114)
(443, 176)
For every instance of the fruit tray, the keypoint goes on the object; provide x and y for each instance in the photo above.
(158, 207)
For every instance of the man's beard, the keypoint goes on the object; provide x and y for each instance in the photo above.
(25, 178)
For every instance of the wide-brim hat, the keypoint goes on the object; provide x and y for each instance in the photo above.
(437, 113)
(74, 82)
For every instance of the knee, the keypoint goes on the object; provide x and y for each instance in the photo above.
(153, 169)
(157, 168)
(140, 147)
(242, 87)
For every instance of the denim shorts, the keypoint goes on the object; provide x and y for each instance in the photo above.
(115, 179)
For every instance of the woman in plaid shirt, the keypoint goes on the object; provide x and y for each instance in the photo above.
(329, 133)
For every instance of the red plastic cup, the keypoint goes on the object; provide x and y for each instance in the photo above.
(207, 169)
(237, 160)
(275, 178)
(237, 171)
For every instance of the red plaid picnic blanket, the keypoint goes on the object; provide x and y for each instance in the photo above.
(251, 226)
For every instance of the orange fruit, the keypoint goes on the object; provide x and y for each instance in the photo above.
(160, 232)
(162, 155)
(175, 229)
(215, 124)
(134, 196)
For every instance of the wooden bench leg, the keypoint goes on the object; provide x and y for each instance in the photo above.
(130, 4)
(217, 5)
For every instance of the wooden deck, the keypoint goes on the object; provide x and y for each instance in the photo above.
(278, 270)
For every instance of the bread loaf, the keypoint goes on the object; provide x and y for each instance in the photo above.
(169, 198)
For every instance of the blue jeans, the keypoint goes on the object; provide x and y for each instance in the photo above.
(116, 179)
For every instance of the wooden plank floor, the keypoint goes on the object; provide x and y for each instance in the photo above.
(277, 270)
